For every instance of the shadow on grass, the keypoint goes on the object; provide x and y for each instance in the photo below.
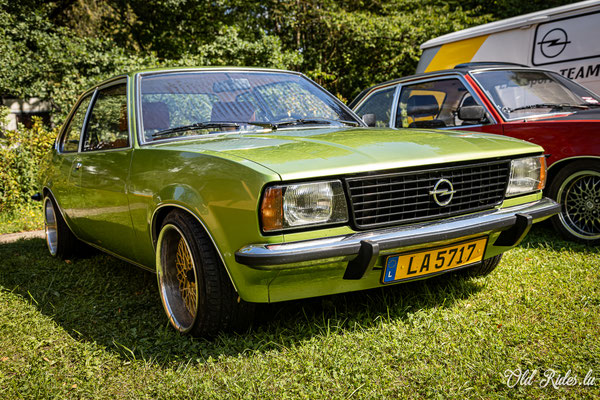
(107, 301)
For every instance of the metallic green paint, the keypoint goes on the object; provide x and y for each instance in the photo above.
(307, 153)
(115, 199)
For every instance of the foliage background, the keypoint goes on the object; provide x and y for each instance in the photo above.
(53, 50)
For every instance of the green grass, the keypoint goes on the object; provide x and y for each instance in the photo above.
(26, 218)
(94, 328)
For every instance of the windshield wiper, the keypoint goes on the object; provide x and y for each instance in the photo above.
(312, 121)
(548, 105)
(268, 125)
(196, 126)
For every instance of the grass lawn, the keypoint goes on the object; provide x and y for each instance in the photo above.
(94, 328)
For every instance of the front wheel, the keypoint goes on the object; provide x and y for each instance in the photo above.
(577, 189)
(483, 268)
(195, 289)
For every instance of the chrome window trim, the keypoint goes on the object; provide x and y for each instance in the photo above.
(462, 79)
(65, 131)
(376, 90)
(138, 95)
(69, 119)
(104, 85)
(392, 123)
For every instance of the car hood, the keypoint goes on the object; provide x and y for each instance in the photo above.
(305, 153)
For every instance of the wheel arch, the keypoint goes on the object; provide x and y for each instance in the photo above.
(559, 165)
(159, 215)
(46, 191)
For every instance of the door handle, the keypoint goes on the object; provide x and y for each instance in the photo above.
(77, 165)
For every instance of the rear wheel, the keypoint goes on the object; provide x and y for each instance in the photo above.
(60, 240)
(195, 289)
(577, 189)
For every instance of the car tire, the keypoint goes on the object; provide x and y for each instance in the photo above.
(60, 240)
(195, 290)
(483, 268)
(577, 189)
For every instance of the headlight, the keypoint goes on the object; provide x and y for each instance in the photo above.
(526, 175)
(303, 204)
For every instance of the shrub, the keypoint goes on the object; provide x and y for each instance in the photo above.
(21, 154)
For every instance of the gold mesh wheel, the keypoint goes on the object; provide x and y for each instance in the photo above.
(177, 278)
(186, 276)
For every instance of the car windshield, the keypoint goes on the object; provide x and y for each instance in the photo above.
(521, 94)
(194, 103)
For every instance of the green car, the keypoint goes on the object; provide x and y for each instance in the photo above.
(244, 185)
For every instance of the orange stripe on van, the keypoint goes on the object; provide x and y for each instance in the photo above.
(454, 53)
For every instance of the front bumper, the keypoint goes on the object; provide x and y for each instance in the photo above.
(363, 248)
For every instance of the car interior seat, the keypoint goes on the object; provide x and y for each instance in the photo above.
(421, 106)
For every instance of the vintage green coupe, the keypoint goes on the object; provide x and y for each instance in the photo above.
(241, 186)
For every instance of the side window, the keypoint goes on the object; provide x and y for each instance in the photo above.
(69, 142)
(435, 104)
(380, 104)
(107, 125)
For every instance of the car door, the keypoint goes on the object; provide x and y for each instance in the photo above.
(66, 183)
(104, 163)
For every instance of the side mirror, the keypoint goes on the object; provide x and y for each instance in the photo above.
(471, 113)
(369, 119)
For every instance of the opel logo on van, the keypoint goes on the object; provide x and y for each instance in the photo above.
(442, 192)
(554, 42)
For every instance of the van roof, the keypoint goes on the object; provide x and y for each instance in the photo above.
(515, 22)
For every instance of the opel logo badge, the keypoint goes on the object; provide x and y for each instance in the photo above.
(554, 42)
(442, 192)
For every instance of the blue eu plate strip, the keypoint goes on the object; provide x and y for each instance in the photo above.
(390, 269)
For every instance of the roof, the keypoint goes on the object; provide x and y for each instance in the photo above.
(460, 69)
(515, 22)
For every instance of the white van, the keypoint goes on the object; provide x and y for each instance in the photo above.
(564, 39)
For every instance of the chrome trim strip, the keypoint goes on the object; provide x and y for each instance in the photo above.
(110, 253)
(154, 243)
(346, 247)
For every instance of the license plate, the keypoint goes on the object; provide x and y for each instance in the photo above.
(413, 265)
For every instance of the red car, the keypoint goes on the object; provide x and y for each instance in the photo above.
(536, 105)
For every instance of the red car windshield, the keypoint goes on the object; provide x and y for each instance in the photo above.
(519, 94)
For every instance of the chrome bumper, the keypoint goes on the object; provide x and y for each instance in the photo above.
(362, 249)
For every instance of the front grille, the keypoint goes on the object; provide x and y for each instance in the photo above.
(398, 197)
